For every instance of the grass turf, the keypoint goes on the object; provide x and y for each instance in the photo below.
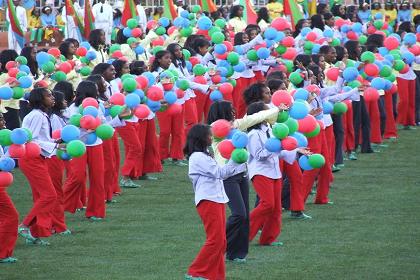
(371, 231)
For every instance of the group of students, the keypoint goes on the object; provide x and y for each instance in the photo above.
(60, 186)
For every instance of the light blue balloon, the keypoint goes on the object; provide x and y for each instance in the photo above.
(70, 132)
(42, 58)
(204, 23)
(139, 50)
(299, 110)
(270, 33)
(328, 33)
(263, 53)
(301, 139)
(170, 97)
(273, 145)
(304, 163)
(240, 140)
(153, 105)
(240, 67)
(7, 164)
(350, 74)
(383, 51)
(91, 55)
(85, 44)
(301, 94)
(6, 93)
(25, 68)
(19, 136)
(305, 31)
(25, 82)
(216, 95)
(90, 138)
(127, 32)
(132, 100)
(327, 107)
(164, 21)
(410, 39)
(378, 83)
(220, 48)
(150, 78)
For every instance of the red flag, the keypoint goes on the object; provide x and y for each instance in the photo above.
(129, 11)
(88, 19)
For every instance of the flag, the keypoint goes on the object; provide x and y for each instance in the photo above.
(15, 24)
(250, 15)
(71, 12)
(311, 7)
(291, 9)
(169, 9)
(207, 5)
(129, 11)
(89, 20)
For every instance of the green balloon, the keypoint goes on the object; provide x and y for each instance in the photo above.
(362, 39)
(129, 85)
(191, 17)
(220, 22)
(63, 58)
(282, 116)
(186, 53)
(289, 65)
(157, 49)
(131, 41)
(116, 110)
(85, 71)
(160, 30)
(52, 59)
(84, 60)
(196, 9)
(29, 133)
(104, 131)
(48, 67)
(186, 31)
(62, 155)
(21, 60)
(354, 84)
(314, 132)
(126, 76)
(18, 92)
(217, 37)
(280, 130)
(385, 71)
(233, 58)
(232, 82)
(295, 78)
(335, 42)
(292, 124)
(350, 63)
(316, 160)
(230, 71)
(75, 119)
(399, 65)
(396, 53)
(59, 76)
(367, 57)
(252, 55)
(339, 108)
(76, 148)
(132, 23)
(308, 45)
(114, 47)
(199, 70)
(183, 84)
(281, 49)
(213, 30)
(5, 139)
(378, 24)
(239, 155)
(21, 74)
(391, 78)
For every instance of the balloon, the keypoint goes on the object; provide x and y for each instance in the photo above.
(252, 55)
(307, 124)
(282, 116)
(378, 83)
(216, 95)
(91, 111)
(7, 164)
(399, 65)
(226, 88)
(76, 148)
(6, 179)
(42, 58)
(204, 23)
(75, 119)
(289, 143)
(301, 94)
(32, 149)
(239, 140)
(273, 145)
(48, 67)
(296, 78)
(88, 122)
(350, 74)
(69, 133)
(371, 69)
(129, 85)
(85, 71)
(292, 124)
(410, 39)
(239, 156)
(333, 73)
(19, 136)
(16, 151)
(304, 163)
(199, 70)
(339, 108)
(117, 99)
(217, 37)
(155, 93)
(220, 128)
(6, 93)
(302, 141)
(290, 54)
(371, 94)
(311, 36)
(391, 43)
(288, 41)
(21, 60)
(280, 24)
(132, 100)
(367, 57)
(226, 148)
(263, 53)
(316, 160)
(170, 97)
(299, 110)
(220, 48)
(233, 58)
(327, 107)
(280, 130)
(221, 23)
(104, 131)
(89, 101)
(142, 111)
(281, 97)
(91, 55)
(314, 132)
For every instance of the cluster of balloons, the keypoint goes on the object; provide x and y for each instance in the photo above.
(19, 79)
(232, 141)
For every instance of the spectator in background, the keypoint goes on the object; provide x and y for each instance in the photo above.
(48, 23)
(364, 13)
(103, 14)
(23, 22)
(275, 9)
(35, 26)
(404, 14)
(158, 13)
(142, 15)
(263, 19)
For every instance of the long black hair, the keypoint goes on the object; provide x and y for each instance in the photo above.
(118, 65)
(85, 89)
(67, 89)
(254, 93)
(234, 11)
(178, 62)
(100, 68)
(263, 14)
(317, 22)
(64, 49)
(197, 140)
(32, 63)
(253, 109)
(298, 27)
(121, 38)
(199, 43)
(95, 38)
(97, 79)
(340, 50)
(239, 38)
(220, 110)
(6, 56)
(36, 98)
(58, 107)
(155, 65)
(352, 50)
(137, 67)
(320, 8)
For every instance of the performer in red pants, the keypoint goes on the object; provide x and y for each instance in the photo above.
(406, 104)
(348, 144)
(390, 124)
(375, 121)
(150, 158)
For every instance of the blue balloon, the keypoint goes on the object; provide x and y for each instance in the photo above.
(223, 71)
(378, 83)
(316, 48)
(91, 111)
(299, 110)
(6, 93)
(270, 33)
(65, 156)
(7, 164)
(240, 67)
(388, 84)
(19, 136)
(350, 74)
(70, 132)
(357, 27)
(223, 63)
(42, 58)
(378, 16)
(304, 163)
(383, 51)
(379, 64)
(153, 105)
(25, 82)
(132, 100)
(396, 35)
(280, 36)
(139, 93)
(240, 140)
(139, 50)
(273, 145)
(220, 48)
(327, 107)
(170, 97)
(216, 95)
(346, 88)
(204, 23)
(127, 32)
(90, 55)
(408, 57)
(26, 96)
(149, 76)
(301, 139)
(410, 39)
(164, 21)
(345, 28)
(85, 44)
(178, 22)
(269, 43)
(25, 68)
(185, 14)
(110, 61)
(301, 94)
(328, 33)
(232, 132)
(263, 53)
(239, 49)
(90, 138)
(189, 65)
(389, 57)
(305, 31)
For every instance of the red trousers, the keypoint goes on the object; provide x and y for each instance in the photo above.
(203, 102)
(171, 129)
(210, 261)
(294, 174)
(117, 159)
(267, 215)
(94, 160)
(406, 104)
(390, 124)
(133, 165)
(39, 219)
(149, 141)
(318, 144)
(237, 95)
(259, 77)
(56, 171)
(110, 182)
(190, 115)
(348, 143)
(375, 121)
(329, 135)
(9, 221)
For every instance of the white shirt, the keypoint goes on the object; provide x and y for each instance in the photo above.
(104, 17)
(21, 16)
(142, 17)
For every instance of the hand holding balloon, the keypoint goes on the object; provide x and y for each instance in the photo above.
(125, 113)
(315, 112)
(304, 151)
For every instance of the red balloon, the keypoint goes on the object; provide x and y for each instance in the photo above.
(171, 30)
(313, 88)
(290, 54)
(339, 22)
(371, 30)
(332, 73)
(391, 43)
(200, 80)
(216, 79)
(117, 99)
(288, 41)
(222, 56)
(179, 93)
(194, 60)
(142, 82)
(174, 109)
(371, 94)
(136, 32)
(415, 50)
(289, 143)
(41, 83)
(259, 46)
(81, 51)
(151, 24)
(371, 69)
(54, 52)
(6, 179)
(280, 24)
(158, 42)
(155, 93)
(226, 88)
(32, 149)
(56, 134)
(11, 64)
(281, 97)
(89, 101)
(221, 128)
(311, 36)
(167, 86)
(142, 111)
(228, 45)
(117, 54)
(226, 148)
(352, 35)
(16, 151)
(307, 124)
(385, 26)
(12, 80)
(405, 69)
(13, 72)
(88, 122)
(65, 67)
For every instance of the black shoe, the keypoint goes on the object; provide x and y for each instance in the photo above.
(299, 215)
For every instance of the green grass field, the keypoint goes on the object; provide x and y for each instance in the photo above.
(371, 231)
